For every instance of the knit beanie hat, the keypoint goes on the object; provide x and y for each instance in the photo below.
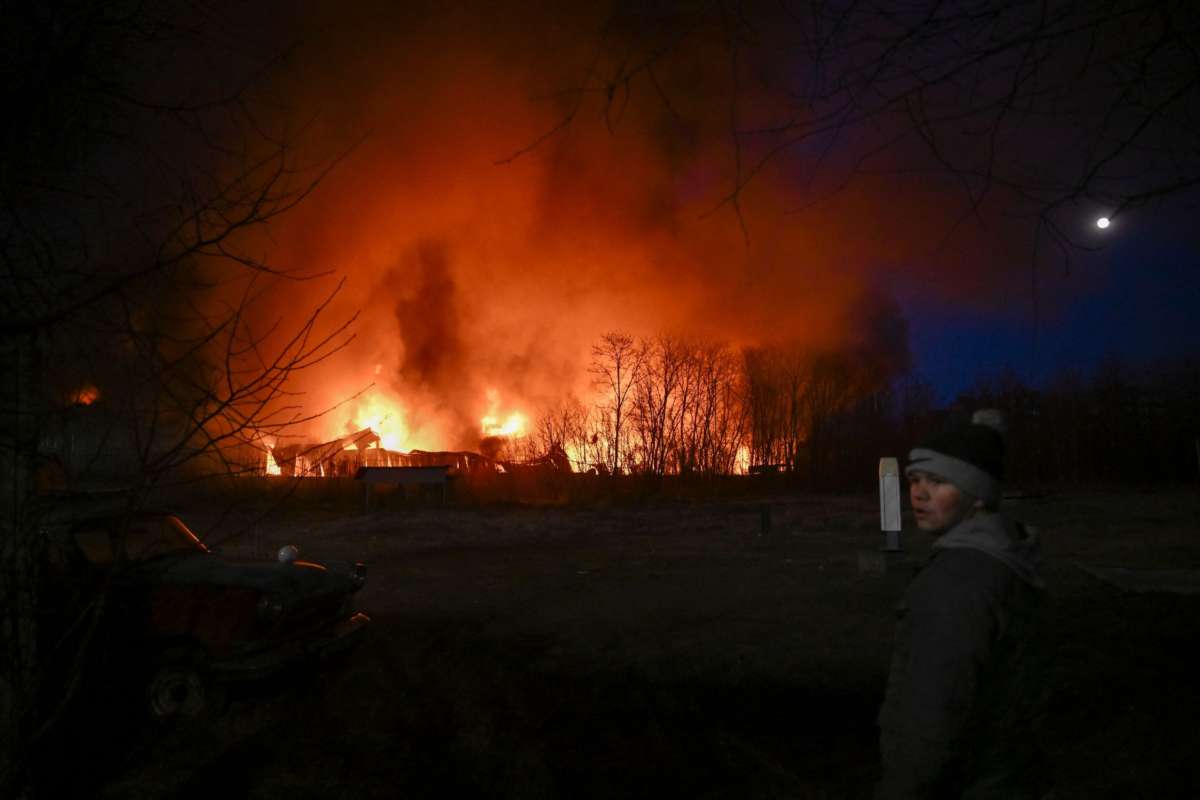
(969, 456)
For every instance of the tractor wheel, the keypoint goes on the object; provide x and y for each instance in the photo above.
(179, 689)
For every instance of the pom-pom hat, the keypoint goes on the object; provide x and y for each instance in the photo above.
(969, 456)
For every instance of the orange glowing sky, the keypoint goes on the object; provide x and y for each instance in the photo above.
(481, 284)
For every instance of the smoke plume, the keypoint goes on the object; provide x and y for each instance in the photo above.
(496, 213)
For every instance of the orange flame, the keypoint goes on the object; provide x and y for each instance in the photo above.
(85, 395)
(386, 418)
(513, 425)
(741, 462)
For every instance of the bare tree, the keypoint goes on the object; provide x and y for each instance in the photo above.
(616, 369)
(708, 425)
(779, 386)
(127, 191)
(658, 406)
(592, 443)
(687, 413)
(561, 427)
(719, 424)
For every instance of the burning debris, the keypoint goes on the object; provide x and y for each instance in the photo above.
(326, 459)
(343, 457)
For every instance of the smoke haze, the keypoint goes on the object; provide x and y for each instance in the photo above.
(478, 262)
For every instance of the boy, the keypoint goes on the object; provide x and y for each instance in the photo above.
(966, 690)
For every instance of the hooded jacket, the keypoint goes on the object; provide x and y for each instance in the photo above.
(966, 690)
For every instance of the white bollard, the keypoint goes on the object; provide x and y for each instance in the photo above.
(889, 503)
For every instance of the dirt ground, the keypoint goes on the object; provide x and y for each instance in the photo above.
(664, 649)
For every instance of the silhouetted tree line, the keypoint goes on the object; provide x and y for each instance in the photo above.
(677, 406)
(673, 406)
(1119, 424)
(661, 406)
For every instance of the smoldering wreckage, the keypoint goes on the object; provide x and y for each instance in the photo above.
(349, 454)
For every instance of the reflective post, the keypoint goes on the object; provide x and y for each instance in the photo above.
(889, 503)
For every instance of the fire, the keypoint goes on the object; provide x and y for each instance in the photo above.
(576, 458)
(85, 395)
(386, 418)
(513, 425)
(272, 466)
(392, 420)
(741, 462)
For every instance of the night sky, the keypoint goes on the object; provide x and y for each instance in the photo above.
(1135, 300)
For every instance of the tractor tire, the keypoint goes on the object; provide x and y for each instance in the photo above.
(180, 690)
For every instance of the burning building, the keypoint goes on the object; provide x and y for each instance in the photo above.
(345, 455)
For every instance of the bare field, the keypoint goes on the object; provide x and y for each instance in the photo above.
(667, 649)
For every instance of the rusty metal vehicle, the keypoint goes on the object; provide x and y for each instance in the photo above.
(191, 620)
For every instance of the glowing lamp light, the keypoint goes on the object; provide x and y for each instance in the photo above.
(1103, 223)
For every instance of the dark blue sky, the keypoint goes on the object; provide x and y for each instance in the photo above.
(1137, 298)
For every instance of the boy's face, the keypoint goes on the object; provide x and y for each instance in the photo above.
(937, 504)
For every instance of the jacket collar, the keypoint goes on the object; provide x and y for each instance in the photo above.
(990, 532)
